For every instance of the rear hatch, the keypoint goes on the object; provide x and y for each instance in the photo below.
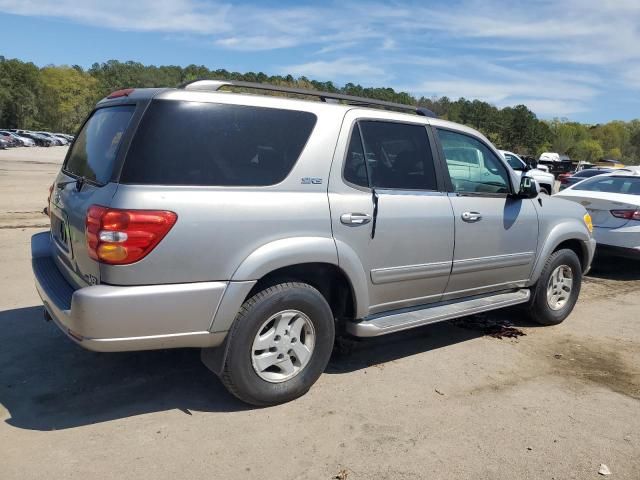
(86, 179)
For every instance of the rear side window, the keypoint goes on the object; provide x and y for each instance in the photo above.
(390, 155)
(94, 151)
(626, 185)
(194, 143)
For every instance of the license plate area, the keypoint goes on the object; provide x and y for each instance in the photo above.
(60, 232)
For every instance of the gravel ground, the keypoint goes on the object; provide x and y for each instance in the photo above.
(450, 400)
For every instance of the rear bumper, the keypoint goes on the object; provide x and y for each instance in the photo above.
(625, 252)
(626, 237)
(110, 318)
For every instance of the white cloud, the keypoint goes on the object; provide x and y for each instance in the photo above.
(339, 68)
(552, 54)
(256, 43)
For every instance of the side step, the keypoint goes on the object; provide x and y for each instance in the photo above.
(406, 319)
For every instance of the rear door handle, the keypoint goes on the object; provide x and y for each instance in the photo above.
(471, 217)
(355, 218)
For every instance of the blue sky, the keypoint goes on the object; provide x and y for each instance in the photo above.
(578, 59)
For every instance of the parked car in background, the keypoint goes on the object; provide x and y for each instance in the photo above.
(68, 138)
(41, 140)
(55, 140)
(566, 182)
(24, 141)
(11, 141)
(62, 138)
(545, 179)
(613, 200)
(3, 144)
(275, 224)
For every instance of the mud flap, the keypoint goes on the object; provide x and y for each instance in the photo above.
(214, 357)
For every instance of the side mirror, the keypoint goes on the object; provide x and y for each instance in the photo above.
(528, 188)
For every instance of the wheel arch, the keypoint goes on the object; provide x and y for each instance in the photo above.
(572, 235)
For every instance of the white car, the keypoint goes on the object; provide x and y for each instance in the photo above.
(543, 178)
(26, 142)
(613, 200)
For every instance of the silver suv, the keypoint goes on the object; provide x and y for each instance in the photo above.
(260, 227)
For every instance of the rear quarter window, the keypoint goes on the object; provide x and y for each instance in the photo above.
(94, 152)
(195, 143)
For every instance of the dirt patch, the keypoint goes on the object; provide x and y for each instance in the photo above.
(27, 219)
(604, 364)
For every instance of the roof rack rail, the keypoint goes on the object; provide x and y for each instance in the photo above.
(215, 85)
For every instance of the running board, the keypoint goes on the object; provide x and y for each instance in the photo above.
(404, 320)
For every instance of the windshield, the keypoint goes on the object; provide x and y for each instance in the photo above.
(513, 161)
(622, 184)
(94, 151)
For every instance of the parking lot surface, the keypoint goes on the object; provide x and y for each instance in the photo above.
(444, 401)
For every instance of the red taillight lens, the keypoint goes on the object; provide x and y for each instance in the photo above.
(626, 214)
(120, 237)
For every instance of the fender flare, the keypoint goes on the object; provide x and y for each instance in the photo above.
(569, 230)
(283, 253)
(279, 254)
(299, 250)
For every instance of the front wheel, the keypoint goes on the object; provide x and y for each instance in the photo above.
(557, 290)
(279, 345)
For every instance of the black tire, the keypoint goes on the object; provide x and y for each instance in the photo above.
(238, 374)
(540, 311)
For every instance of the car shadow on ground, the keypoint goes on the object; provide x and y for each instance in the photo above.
(609, 267)
(49, 383)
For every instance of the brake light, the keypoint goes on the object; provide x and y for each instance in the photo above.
(125, 92)
(626, 214)
(120, 237)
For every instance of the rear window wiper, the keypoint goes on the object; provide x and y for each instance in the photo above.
(78, 181)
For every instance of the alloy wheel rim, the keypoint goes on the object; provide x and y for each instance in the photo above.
(283, 346)
(559, 287)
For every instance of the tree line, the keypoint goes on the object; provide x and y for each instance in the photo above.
(58, 98)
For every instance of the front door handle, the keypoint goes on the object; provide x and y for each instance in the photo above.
(355, 218)
(471, 217)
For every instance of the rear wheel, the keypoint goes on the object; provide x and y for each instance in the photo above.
(279, 345)
(558, 288)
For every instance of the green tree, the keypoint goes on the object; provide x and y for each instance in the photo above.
(588, 151)
(20, 91)
(68, 95)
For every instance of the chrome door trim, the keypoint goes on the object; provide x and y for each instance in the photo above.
(487, 263)
(410, 272)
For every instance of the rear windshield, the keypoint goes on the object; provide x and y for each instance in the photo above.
(94, 151)
(590, 173)
(194, 143)
(627, 185)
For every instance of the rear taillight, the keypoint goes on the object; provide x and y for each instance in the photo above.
(626, 214)
(120, 237)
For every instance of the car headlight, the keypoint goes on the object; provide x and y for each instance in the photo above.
(588, 222)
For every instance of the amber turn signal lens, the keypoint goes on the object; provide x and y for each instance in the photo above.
(112, 253)
(588, 222)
